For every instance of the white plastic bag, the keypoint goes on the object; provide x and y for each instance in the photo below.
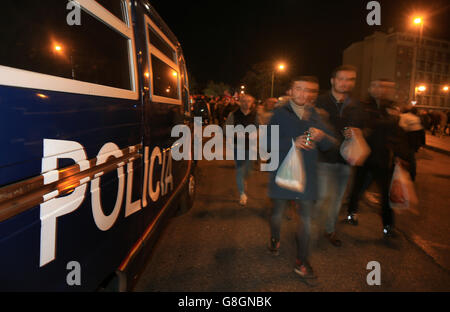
(291, 174)
(401, 192)
(355, 150)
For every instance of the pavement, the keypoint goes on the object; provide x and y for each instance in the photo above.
(220, 246)
(439, 144)
(428, 227)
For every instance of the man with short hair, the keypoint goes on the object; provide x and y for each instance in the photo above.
(230, 106)
(245, 116)
(388, 144)
(334, 172)
(293, 119)
(265, 111)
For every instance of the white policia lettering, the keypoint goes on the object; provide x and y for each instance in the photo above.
(213, 148)
(53, 207)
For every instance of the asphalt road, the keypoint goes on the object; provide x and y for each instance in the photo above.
(220, 246)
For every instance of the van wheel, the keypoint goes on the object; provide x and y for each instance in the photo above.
(188, 195)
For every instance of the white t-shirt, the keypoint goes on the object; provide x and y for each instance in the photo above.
(410, 122)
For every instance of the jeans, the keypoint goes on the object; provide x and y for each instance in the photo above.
(243, 168)
(332, 181)
(304, 209)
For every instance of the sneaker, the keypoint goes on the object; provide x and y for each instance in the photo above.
(387, 231)
(305, 271)
(333, 239)
(243, 200)
(274, 247)
(351, 219)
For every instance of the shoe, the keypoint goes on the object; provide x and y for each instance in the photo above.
(243, 200)
(304, 271)
(387, 231)
(333, 239)
(351, 219)
(274, 247)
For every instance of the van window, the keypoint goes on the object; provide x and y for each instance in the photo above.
(116, 7)
(161, 45)
(39, 39)
(184, 80)
(165, 79)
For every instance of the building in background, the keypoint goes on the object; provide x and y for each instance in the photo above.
(392, 56)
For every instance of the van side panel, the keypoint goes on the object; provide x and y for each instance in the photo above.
(105, 221)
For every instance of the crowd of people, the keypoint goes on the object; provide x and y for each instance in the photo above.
(218, 107)
(318, 125)
(437, 122)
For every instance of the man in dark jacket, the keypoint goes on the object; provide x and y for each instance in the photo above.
(294, 119)
(340, 111)
(244, 116)
(388, 144)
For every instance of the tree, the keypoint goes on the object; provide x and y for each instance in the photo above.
(216, 89)
(258, 81)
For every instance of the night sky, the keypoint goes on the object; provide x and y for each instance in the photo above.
(223, 39)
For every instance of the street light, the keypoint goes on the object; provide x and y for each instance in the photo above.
(418, 89)
(445, 90)
(280, 67)
(58, 48)
(417, 21)
(421, 88)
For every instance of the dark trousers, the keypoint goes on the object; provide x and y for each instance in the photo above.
(412, 166)
(382, 177)
(302, 237)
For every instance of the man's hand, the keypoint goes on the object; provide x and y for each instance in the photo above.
(316, 134)
(347, 132)
(305, 142)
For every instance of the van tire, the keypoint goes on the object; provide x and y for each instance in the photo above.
(187, 196)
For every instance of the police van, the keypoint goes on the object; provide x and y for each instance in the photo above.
(89, 93)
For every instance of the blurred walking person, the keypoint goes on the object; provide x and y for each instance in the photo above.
(265, 111)
(388, 144)
(334, 172)
(294, 119)
(245, 116)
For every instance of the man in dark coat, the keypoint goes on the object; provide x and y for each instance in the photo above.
(341, 111)
(388, 144)
(294, 119)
